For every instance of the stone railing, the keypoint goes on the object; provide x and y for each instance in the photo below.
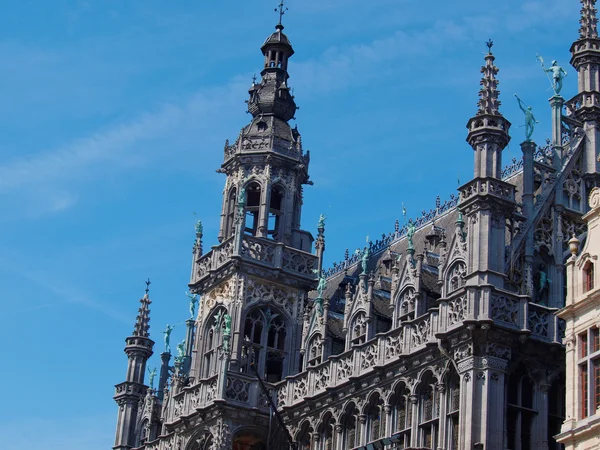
(505, 310)
(491, 186)
(267, 253)
(239, 389)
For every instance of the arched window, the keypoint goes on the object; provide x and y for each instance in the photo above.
(588, 276)
(230, 213)
(452, 410)
(456, 277)
(205, 442)
(520, 412)
(375, 418)
(359, 328)
(406, 305)
(265, 343)
(402, 414)
(252, 208)
(429, 402)
(348, 421)
(275, 212)
(248, 441)
(327, 434)
(305, 436)
(315, 351)
(213, 342)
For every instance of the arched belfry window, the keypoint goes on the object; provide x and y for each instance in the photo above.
(213, 342)
(264, 345)
(253, 192)
(230, 213)
(275, 212)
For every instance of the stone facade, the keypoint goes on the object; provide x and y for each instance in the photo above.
(581, 429)
(443, 334)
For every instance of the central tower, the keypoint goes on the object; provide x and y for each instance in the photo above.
(254, 284)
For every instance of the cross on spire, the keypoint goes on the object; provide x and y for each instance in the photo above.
(147, 283)
(588, 21)
(281, 9)
(489, 44)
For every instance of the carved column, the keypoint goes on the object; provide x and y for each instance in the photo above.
(389, 426)
(339, 441)
(542, 428)
(441, 392)
(482, 410)
(361, 429)
(556, 103)
(414, 405)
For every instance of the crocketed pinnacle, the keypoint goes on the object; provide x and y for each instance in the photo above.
(142, 321)
(488, 94)
(588, 21)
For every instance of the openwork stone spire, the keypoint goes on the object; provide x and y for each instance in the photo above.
(488, 94)
(588, 21)
(142, 321)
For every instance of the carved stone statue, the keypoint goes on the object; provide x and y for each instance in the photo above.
(321, 223)
(199, 228)
(529, 118)
(242, 198)
(193, 302)
(152, 376)
(167, 334)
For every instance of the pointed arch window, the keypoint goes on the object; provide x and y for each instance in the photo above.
(275, 212)
(349, 434)
(406, 305)
(456, 277)
(205, 442)
(359, 328)
(265, 343)
(305, 435)
(520, 410)
(453, 411)
(213, 342)
(327, 435)
(402, 414)
(375, 418)
(428, 398)
(253, 194)
(315, 351)
(230, 218)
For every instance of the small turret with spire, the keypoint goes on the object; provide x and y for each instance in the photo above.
(488, 129)
(129, 393)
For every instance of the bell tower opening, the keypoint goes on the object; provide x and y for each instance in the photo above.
(253, 192)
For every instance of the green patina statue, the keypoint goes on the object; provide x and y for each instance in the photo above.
(529, 118)
(410, 232)
(181, 350)
(365, 259)
(558, 73)
(321, 223)
(227, 325)
(242, 198)
(167, 334)
(193, 302)
(321, 286)
(152, 375)
(199, 228)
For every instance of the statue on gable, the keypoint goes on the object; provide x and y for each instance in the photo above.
(558, 74)
(321, 224)
(152, 376)
(410, 232)
(167, 334)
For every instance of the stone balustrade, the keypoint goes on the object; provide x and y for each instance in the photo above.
(258, 250)
(505, 310)
(491, 186)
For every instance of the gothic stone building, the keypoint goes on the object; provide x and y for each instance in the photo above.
(441, 335)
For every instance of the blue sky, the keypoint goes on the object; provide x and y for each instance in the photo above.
(113, 118)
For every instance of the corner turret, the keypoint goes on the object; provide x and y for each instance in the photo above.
(129, 393)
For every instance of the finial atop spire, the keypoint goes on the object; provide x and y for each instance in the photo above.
(281, 9)
(142, 321)
(488, 94)
(588, 21)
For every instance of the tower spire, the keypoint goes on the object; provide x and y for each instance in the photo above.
(142, 321)
(588, 21)
(488, 94)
